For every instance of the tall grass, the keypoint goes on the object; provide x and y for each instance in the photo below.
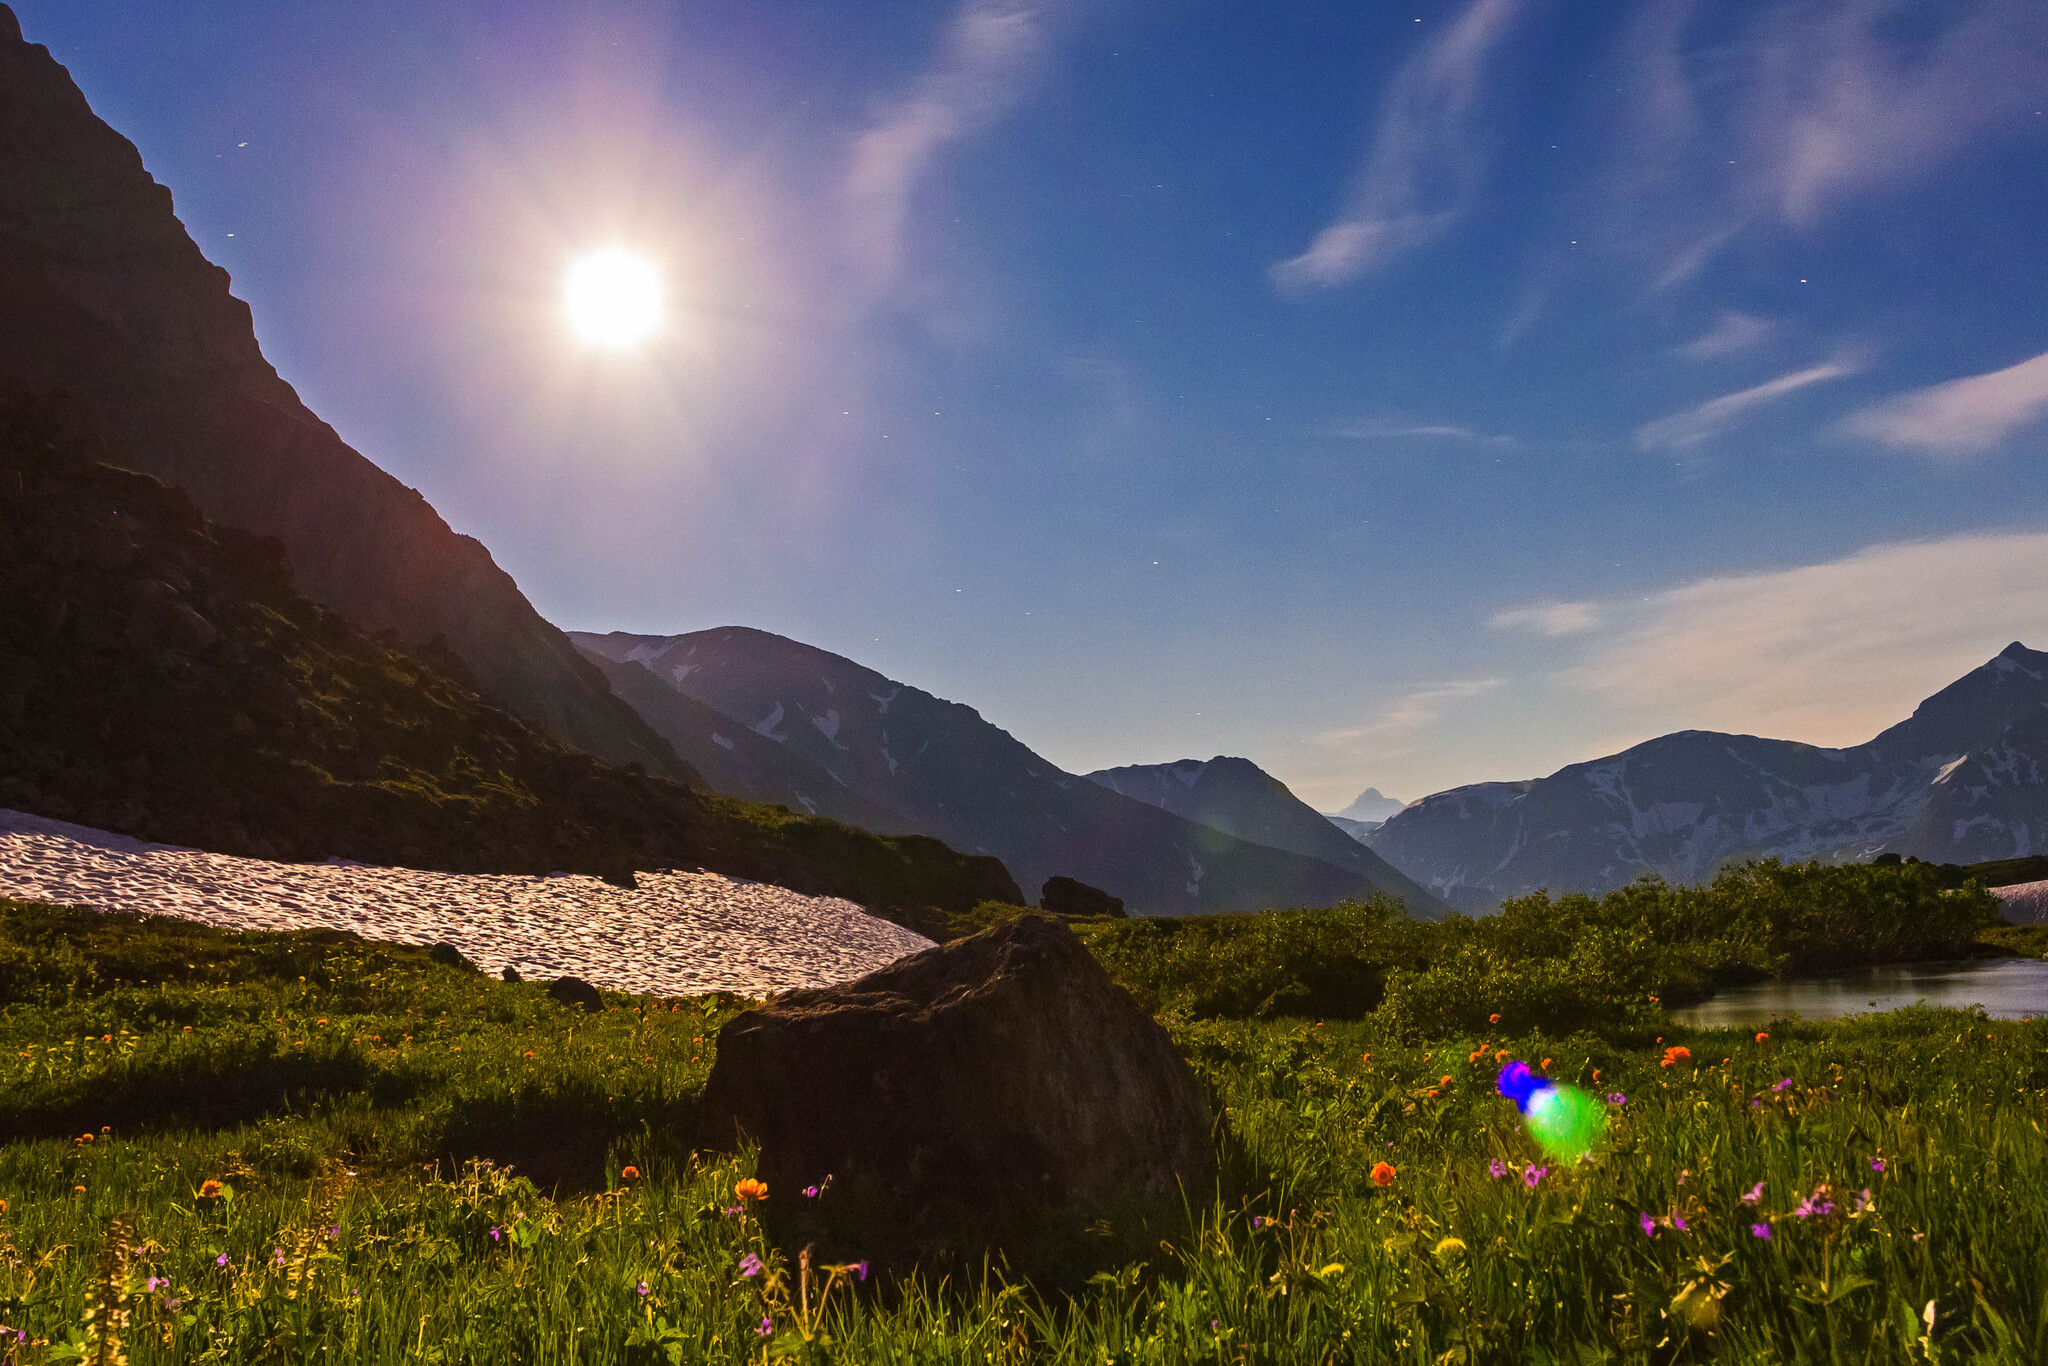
(358, 1105)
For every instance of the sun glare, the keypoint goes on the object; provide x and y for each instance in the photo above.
(613, 298)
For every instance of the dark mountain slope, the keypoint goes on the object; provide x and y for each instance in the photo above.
(736, 761)
(160, 677)
(103, 294)
(1239, 798)
(1960, 781)
(948, 773)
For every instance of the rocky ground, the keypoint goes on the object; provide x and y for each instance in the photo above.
(675, 934)
(2024, 903)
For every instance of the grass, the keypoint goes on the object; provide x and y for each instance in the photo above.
(417, 1163)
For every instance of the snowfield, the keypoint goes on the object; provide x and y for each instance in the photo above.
(677, 934)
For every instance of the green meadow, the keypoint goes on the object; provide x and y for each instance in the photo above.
(306, 1147)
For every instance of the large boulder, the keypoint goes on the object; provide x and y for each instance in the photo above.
(1069, 897)
(974, 1090)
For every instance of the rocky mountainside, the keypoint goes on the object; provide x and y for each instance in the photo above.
(104, 296)
(944, 771)
(1239, 798)
(1960, 781)
(160, 677)
(1371, 805)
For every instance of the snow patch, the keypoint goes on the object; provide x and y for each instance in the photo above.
(882, 703)
(828, 725)
(1188, 776)
(767, 726)
(720, 741)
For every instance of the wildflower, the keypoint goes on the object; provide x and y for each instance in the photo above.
(629, 1173)
(1677, 1053)
(1258, 1221)
(1500, 1055)
(1493, 1018)
(208, 1189)
(1383, 1174)
(221, 1260)
(1677, 1221)
(750, 1265)
(1596, 1074)
(766, 1329)
(1781, 1083)
(1877, 1165)
(333, 1232)
(731, 1210)
(1546, 1064)
(1761, 1036)
(1496, 1169)
(643, 1289)
(1649, 1226)
(86, 1138)
(278, 1254)
(861, 1268)
(1616, 1098)
(1755, 1194)
(749, 1189)
(1533, 1177)
(155, 1281)
(1864, 1203)
(497, 1235)
(1445, 1082)
(172, 1304)
(810, 1192)
(1762, 1231)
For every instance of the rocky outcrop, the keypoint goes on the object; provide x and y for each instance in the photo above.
(1063, 896)
(104, 296)
(975, 1088)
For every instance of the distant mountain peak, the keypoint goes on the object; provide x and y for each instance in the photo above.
(1371, 805)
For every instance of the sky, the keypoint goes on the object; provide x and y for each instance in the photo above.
(1394, 394)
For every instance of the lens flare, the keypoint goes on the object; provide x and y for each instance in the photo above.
(1564, 1121)
(613, 298)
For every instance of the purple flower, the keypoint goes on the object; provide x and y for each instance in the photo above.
(1649, 1226)
(1782, 1083)
(278, 1254)
(1496, 1169)
(1877, 1165)
(750, 1265)
(154, 1282)
(221, 1260)
(1677, 1221)
(1762, 1231)
(767, 1328)
(1533, 1177)
(333, 1232)
(731, 1210)
(172, 1304)
(1258, 1221)
(497, 1235)
(810, 1192)
(1863, 1201)
(1755, 1194)
(861, 1267)
(643, 1288)
(1616, 1098)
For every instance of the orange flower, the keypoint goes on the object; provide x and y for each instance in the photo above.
(1383, 1174)
(1596, 1074)
(630, 1174)
(1430, 1093)
(1677, 1053)
(208, 1189)
(1493, 1018)
(1501, 1056)
(85, 1138)
(1546, 1064)
(1445, 1082)
(750, 1189)
(319, 1022)
(1761, 1037)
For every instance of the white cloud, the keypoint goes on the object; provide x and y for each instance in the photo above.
(1829, 653)
(988, 52)
(1423, 169)
(1408, 714)
(1962, 417)
(1691, 426)
(1734, 332)
(1552, 619)
(1386, 429)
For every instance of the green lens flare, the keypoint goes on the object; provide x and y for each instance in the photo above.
(1564, 1121)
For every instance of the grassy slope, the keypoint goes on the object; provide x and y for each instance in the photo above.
(321, 1074)
(161, 678)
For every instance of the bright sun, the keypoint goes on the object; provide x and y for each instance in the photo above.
(613, 298)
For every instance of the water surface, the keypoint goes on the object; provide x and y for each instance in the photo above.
(2007, 988)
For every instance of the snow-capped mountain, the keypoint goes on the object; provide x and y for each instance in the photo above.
(1960, 781)
(1239, 798)
(937, 768)
(1370, 805)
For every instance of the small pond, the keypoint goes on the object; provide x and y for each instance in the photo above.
(2007, 988)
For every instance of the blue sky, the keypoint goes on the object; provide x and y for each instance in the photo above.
(1393, 394)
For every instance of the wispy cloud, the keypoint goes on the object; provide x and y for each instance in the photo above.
(1827, 653)
(1788, 118)
(1962, 417)
(1394, 429)
(1410, 713)
(1734, 332)
(989, 50)
(1551, 619)
(1424, 166)
(1691, 426)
